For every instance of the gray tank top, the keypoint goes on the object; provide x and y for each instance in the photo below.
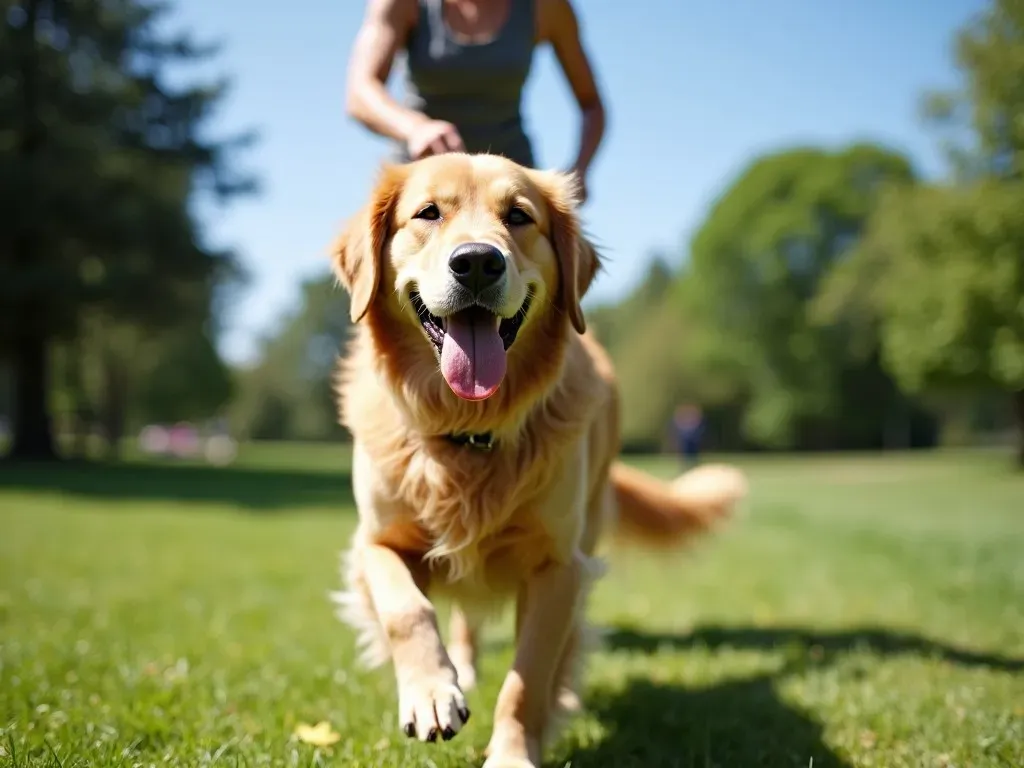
(475, 86)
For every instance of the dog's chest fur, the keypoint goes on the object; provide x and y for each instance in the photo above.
(483, 518)
(479, 518)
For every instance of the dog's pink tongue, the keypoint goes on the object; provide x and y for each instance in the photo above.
(473, 356)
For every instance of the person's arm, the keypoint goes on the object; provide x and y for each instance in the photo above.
(559, 26)
(385, 27)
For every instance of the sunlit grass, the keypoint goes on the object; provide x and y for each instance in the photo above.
(865, 612)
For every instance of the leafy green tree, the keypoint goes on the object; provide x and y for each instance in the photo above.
(983, 119)
(614, 324)
(158, 370)
(290, 392)
(185, 379)
(100, 156)
(650, 335)
(940, 277)
(756, 265)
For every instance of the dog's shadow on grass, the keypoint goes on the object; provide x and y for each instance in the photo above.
(740, 722)
(737, 723)
(808, 646)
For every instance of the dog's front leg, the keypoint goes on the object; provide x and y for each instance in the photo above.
(546, 618)
(430, 702)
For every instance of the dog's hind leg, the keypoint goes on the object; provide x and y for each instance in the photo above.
(567, 690)
(548, 643)
(463, 638)
(568, 683)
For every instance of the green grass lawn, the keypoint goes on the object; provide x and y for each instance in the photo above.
(865, 612)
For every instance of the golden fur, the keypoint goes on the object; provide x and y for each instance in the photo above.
(522, 521)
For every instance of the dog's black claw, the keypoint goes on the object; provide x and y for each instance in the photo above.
(432, 735)
(447, 734)
(464, 714)
(410, 730)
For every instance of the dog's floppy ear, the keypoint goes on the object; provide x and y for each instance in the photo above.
(578, 261)
(358, 252)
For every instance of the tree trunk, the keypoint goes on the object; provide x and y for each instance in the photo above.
(1018, 403)
(897, 428)
(115, 395)
(81, 420)
(33, 432)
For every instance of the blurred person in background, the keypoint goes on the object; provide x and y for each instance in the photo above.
(688, 429)
(466, 62)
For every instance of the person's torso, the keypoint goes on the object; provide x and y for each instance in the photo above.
(475, 86)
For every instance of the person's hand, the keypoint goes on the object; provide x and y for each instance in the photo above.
(433, 137)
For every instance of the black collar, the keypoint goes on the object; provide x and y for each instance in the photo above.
(481, 442)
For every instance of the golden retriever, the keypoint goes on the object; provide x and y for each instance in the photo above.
(485, 422)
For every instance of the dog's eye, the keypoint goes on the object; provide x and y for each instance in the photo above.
(517, 217)
(430, 212)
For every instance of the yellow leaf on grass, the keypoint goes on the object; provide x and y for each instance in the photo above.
(320, 735)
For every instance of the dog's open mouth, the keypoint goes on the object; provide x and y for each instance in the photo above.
(471, 344)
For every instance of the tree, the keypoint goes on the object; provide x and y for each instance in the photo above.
(940, 277)
(985, 116)
(99, 159)
(184, 378)
(158, 368)
(756, 266)
(941, 274)
(614, 324)
(290, 392)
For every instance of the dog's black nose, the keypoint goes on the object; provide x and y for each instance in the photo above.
(476, 265)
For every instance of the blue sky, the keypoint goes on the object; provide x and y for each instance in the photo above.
(693, 90)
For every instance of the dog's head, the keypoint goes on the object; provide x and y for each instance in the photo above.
(477, 256)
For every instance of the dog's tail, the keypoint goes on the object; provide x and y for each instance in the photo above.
(660, 514)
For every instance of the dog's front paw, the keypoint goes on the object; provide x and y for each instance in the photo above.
(431, 705)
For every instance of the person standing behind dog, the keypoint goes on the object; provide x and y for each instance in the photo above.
(466, 62)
